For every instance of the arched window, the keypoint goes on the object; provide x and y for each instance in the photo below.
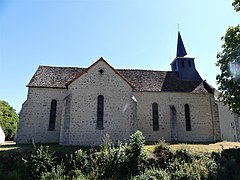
(100, 109)
(53, 115)
(155, 116)
(187, 118)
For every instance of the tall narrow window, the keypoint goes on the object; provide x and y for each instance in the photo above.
(189, 63)
(100, 109)
(53, 115)
(155, 116)
(187, 118)
(182, 63)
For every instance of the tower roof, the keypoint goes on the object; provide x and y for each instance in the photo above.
(181, 51)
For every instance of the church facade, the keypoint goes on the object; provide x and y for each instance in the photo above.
(78, 106)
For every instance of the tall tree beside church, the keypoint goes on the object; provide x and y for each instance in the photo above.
(8, 120)
(229, 63)
(236, 5)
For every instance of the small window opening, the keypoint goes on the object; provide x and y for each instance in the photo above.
(189, 63)
(101, 71)
(182, 63)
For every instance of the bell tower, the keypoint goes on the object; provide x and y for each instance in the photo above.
(184, 66)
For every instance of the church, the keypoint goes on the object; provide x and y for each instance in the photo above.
(78, 106)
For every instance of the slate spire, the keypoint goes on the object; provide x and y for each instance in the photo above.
(181, 51)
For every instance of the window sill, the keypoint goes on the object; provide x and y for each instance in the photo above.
(99, 128)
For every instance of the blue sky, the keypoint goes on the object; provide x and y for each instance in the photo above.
(136, 34)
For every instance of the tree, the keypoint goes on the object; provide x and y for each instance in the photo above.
(229, 63)
(236, 5)
(8, 120)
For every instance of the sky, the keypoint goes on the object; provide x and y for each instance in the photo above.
(129, 34)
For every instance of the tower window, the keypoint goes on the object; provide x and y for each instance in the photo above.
(189, 63)
(187, 118)
(155, 116)
(182, 63)
(52, 115)
(100, 109)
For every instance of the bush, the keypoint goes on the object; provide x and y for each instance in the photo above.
(41, 160)
(229, 164)
(161, 155)
(118, 162)
(57, 173)
(180, 169)
(199, 166)
(184, 155)
(79, 160)
(109, 163)
(153, 174)
(135, 153)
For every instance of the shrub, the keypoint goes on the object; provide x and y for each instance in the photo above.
(184, 155)
(78, 176)
(229, 164)
(57, 173)
(161, 155)
(153, 174)
(79, 160)
(135, 153)
(180, 169)
(41, 160)
(109, 163)
(200, 166)
(118, 162)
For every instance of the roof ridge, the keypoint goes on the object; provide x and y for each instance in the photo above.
(70, 67)
(141, 70)
(121, 69)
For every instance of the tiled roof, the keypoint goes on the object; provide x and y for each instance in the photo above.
(56, 77)
(142, 80)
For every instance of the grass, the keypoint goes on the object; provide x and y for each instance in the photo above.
(11, 146)
(216, 147)
(213, 147)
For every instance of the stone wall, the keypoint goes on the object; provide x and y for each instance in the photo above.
(35, 116)
(200, 114)
(228, 123)
(76, 118)
(118, 118)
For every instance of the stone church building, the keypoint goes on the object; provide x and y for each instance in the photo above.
(78, 106)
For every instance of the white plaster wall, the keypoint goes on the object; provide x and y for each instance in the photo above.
(227, 123)
(200, 113)
(2, 136)
(118, 107)
(35, 115)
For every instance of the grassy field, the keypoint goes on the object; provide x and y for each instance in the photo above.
(12, 146)
(219, 146)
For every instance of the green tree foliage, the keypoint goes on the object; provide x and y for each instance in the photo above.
(236, 5)
(8, 120)
(229, 63)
